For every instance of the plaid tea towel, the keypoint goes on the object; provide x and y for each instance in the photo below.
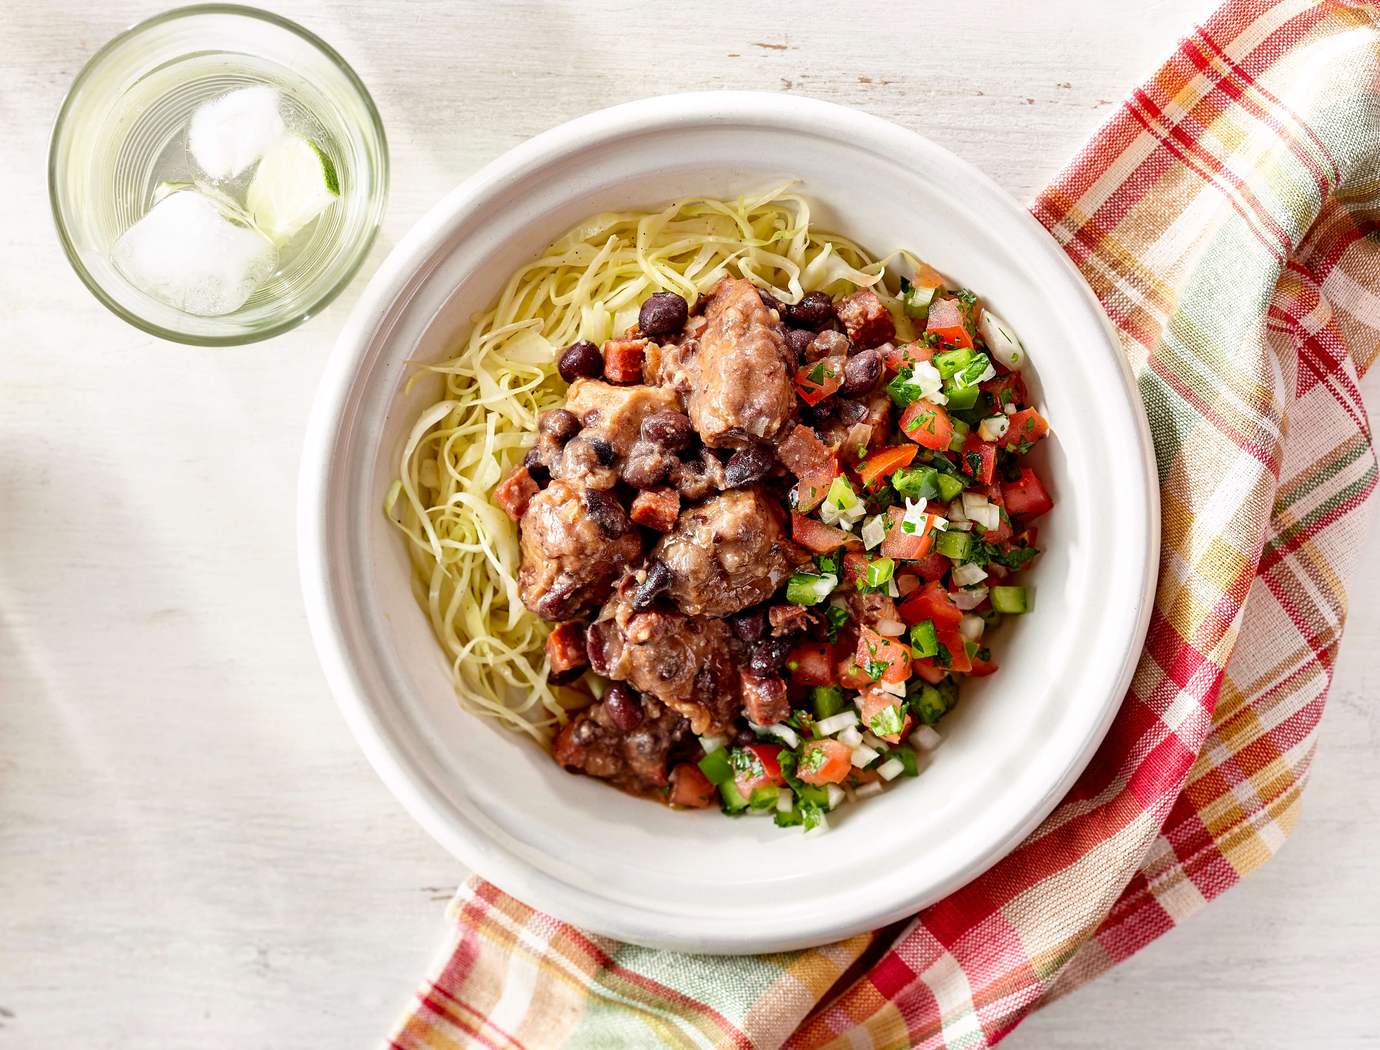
(1228, 217)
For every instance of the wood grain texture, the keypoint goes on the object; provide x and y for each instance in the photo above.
(193, 853)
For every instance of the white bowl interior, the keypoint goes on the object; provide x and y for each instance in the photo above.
(696, 880)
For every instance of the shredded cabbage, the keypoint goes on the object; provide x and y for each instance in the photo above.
(587, 285)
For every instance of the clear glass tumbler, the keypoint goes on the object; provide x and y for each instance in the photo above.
(122, 133)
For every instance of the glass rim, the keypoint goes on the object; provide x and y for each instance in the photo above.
(363, 245)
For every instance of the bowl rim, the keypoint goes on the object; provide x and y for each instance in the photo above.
(361, 249)
(407, 264)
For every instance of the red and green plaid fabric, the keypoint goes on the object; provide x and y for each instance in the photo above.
(1226, 216)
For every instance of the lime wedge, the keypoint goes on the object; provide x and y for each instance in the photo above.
(295, 182)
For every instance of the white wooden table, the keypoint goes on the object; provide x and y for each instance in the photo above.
(192, 851)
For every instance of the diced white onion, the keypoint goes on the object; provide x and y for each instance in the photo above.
(931, 383)
(785, 800)
(784, 733)
(926, 738)
(850, 736)
(829, 512)
(967, 574)
(988, 373)
(960, 526)
(973, 502)
(939, 524)
(863, 755)
(873, 532)
(712, 743)
(859, 434)
(872, 787)
(970, 627)
(989, 517)
(873, 741)
(831, 725)
(913, 520)
(1003, 343)
(969, 597)
(1009, 408)
(894, 688)
(993, 428)
(821, 828)
(956, 512)
(891, 769)
(892, 591)
(836, 795)
(890, 628)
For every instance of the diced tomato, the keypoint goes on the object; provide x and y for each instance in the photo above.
(814, 381)
(927, 424)
(816, 536)
(884, 462)
(950, 639)
(926, 276)
(931, 567)
(854, 568)
(932, 603)
(1026, 496)
(656, 509)
(812, 663)
(623, 360)
(978, 458)
(851, 676)
(824, 762)
(767, 756)
(1002, 532)
(906, 545)
(1027, 427)
(1008, 389)
(891, 653)
(514, 491)
(690, 788)
(946, 321)
(875, 702)
(982, 668)
(906, 355)
(929, 671)
(810, 460)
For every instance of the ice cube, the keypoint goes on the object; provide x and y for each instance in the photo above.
(188, 253)
(231, 132)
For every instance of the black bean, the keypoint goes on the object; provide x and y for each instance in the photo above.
(861, 372)
(671, 430)
(771, 302)
(664, 313)
(580, 360)
(744, 737)
(560, 600)
(798, 341)
(768, 655)
(658, 579)
(813, 310)
(849, 412)
(748, 465)
(559, 424)
(603, 450)
(646, 466)
(535, 467)
(602, 644)
(607, 512)
(624, 707)
(749, 625)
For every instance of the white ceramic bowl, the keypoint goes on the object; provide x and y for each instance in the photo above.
(624, 867)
